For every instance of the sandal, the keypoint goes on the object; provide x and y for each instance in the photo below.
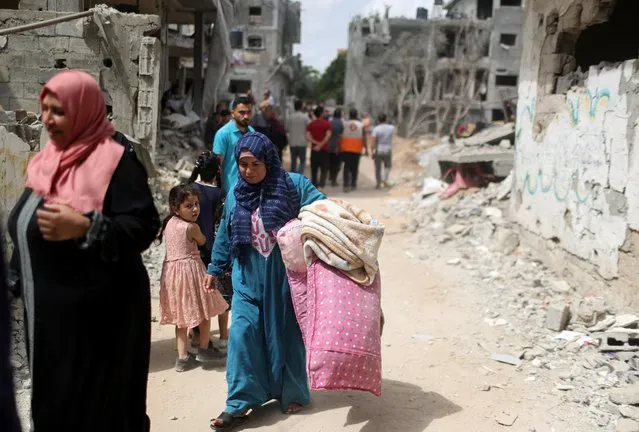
(294, 408)
(229, 422)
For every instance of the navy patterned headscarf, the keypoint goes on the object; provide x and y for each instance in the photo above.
(276, 196)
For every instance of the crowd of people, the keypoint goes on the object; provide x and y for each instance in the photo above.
(335, 144)
(86, 216)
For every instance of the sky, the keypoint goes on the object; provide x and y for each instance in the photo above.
(325, 24)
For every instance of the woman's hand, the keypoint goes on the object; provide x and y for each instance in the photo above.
(209, 283)
(59, 222)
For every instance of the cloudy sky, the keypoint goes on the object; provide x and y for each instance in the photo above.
(325, 24)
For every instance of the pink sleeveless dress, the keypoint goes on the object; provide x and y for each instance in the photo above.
(183, 300)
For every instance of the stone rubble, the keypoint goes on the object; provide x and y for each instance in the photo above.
(526, 299)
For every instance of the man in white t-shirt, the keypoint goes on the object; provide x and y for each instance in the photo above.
(382, 145)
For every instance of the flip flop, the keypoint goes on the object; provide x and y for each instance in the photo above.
(229, 422)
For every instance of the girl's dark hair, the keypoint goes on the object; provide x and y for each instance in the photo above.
(177, 196)
(207, 166)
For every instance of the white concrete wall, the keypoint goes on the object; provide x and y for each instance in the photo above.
(577, 164)
(575, 182)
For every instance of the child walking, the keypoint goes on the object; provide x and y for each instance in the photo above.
(184, 299)
(207, 168)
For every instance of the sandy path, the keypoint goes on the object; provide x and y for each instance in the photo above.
(435, 385)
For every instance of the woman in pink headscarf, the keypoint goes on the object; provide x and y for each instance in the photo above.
(79, 229)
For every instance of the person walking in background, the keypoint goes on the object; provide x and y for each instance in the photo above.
(351, 145)
(83, 221)
(318, 132)
(296, 125)
(207, 169)
(214, 123)
(185, 301)
(266, 122)
(228, 136)
(381, 150)
(266, 357)
(334, 159)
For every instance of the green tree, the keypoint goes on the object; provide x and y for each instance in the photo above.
(305, 84)
(331, 84)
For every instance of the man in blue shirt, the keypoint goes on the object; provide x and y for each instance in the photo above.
(229, 135)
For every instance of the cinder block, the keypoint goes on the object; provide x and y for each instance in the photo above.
(12, 90)
(45, 75)
(22, 43)
(73, 28)
(32, 105)
(84, 46)
(557, 317)
(35, 5)
(54, 45)
(618, 341)
(4, 74)
(32, 90)
(24, 74)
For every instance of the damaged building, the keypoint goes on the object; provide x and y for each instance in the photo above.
(471, 67)
(124, 44)
(262, 41)
(576, 187)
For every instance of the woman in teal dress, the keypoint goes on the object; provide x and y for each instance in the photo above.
(266, 356)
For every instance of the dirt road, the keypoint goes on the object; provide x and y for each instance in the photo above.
(447, 383)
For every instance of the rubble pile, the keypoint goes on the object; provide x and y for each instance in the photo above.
(577, 348)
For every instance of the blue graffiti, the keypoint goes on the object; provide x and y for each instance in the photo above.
(592, 98)
(551, 186)
(527, 112)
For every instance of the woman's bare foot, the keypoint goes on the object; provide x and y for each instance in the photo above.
(294, 408)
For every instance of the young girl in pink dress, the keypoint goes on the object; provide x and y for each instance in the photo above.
(185, 300)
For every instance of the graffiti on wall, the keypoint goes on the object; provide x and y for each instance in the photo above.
(549, 184)
(587, 105)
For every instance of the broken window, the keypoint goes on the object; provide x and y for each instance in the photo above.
(366, 30)
(498, 115)
(508, 39)
(255, 15)
(484, 9)
(511, 3)
(239, 86)
(237, 39)
(506, 80)
(255, 42)
(612, 41)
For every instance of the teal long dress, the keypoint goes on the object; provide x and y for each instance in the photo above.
(266, 355)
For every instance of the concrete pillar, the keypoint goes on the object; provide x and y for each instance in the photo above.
(198, 58)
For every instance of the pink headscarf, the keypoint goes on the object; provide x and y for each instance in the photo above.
(78, 175)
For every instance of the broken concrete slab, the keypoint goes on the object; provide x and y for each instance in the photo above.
(629, 411)
(490, 135)
(506, 419)
(627, 425)
(626, 395)
(506, 358)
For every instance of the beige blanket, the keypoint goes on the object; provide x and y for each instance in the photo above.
(343, 236)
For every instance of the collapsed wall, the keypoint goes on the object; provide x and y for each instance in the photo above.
(577, 166)
(119, 49)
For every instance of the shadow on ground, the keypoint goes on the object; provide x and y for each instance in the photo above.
(164, 353)
(402, 407)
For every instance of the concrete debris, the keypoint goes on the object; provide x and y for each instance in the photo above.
(491, 135)
(433, 186)
(625, 396)
(618, 340)
(627, 425)
(557, 317)
(629, 411)
(506, 419)
(539, 312)
(505, 358)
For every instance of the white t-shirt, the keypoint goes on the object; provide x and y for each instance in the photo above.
(384, 134)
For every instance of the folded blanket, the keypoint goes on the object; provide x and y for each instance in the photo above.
(343, 236)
